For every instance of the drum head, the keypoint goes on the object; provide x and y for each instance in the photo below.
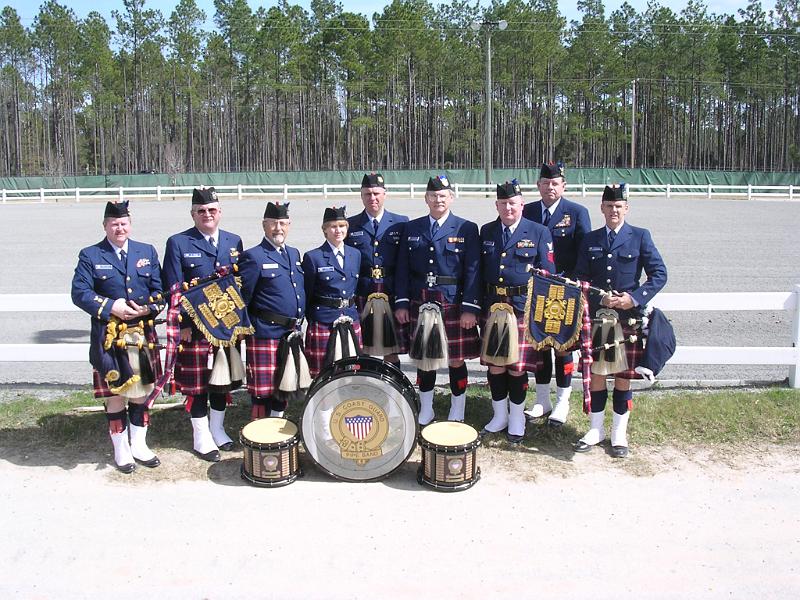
(449, 433)
(360, 420)
(270, 430)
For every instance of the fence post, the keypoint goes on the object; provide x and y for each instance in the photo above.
(158, 193)
(4, 195)
(77, 195)
(41, 195)
(583, 190)
(708, 193)
(669, 191)
(791, 190)
(794, 370)
(239, 191)
(749, 191)
(120, 194)
(285, 192)
(325, 192)
(411, 191)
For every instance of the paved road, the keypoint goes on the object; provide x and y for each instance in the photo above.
(708, 245)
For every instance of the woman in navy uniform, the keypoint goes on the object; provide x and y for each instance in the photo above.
(197, 253)
(375, 233)
(331, 276)
(438, 262)
(613, 258)
(510, 246)
(273, 288)
(568, 223)
(118, 282)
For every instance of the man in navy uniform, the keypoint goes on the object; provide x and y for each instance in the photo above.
(510, 246)
(613, 258)
(197, 253)
(118, 282)
(568, 223)
(376, 233)
(272, 287)
(438, 261)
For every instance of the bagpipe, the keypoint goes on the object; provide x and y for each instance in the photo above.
(557, 315)
(216, 308)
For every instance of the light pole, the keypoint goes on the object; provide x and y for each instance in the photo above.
(633, 125)
(488, 27)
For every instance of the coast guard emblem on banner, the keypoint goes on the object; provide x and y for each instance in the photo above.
(218, 310)
(553, 314)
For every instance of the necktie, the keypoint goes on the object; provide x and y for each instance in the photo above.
(123, 257)
(375, 225)
(340, 259)
(506, 235)
(611, 235)
(212, 242)
(434, 228)
(546, 217)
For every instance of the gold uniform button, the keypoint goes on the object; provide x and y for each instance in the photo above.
(130, 291)
(376, 254)
(502, 266)
(431, 261)
(431, 248)
(503, 255)
(609, 267)
(376, 243)
(500, 280)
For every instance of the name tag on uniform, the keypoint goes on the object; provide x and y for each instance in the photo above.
(269, 266)
(595, 248)
(192, 255)
(103, 267)
(324, 269)
(356, 233)
(413, 239)
(488, 243)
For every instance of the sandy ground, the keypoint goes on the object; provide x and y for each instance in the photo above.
(666, 523)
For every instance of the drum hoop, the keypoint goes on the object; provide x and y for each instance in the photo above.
(456, 449)
(291, 441)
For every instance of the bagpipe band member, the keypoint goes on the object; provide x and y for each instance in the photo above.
(568, 223)
(118, 283)
(330, 273)
(196, 254)
(510, 246)
(375, 233)
(438, 293)
(274, 289)
(613, 258)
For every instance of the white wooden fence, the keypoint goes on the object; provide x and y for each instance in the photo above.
(412, 190)
(684, 355)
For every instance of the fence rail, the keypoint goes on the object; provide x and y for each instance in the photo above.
(412, 190)
(669, 302)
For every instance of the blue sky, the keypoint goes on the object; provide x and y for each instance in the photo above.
(28, 9)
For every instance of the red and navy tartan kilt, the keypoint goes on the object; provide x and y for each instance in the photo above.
(191, 368)
(101, 387)
(633, 352)
(403, 333)
(462, 344)
(261, 364)
(317, 335)
(530, 359)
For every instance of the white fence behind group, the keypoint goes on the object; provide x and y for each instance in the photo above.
(412, 190)
(669, 302)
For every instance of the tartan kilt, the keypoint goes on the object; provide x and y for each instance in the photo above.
(317, 335)
(191, 368)
(633, 352)
(403, 333)
(261, 364)
(530, 359)
(462, 344)
(100, 387)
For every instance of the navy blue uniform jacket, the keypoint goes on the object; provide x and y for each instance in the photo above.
(453, 252)
(568, 226)
(529, 245)
(620, 267)
(272, 281)
(324, 278)
(379, 250)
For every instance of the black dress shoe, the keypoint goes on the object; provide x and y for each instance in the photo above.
(514, 439)
(152, 463)
(212, 456)
(581, 446)
(485, 431)
(555, 424)
(127, 469)
(226, 447)
(619, 451)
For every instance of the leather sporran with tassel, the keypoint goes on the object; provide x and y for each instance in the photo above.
(501, 336)
(429, 342)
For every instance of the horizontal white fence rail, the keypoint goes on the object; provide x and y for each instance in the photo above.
(412, 190)
(675, 302)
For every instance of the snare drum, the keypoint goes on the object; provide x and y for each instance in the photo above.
(270, 452)
(360, 419)
(449, 461)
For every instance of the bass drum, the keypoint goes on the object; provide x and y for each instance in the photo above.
(359, 422)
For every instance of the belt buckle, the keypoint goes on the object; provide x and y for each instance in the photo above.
(430, 279)
(377, 272)
(501, 291)
(344, 303)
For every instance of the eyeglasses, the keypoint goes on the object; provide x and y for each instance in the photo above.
(207, 211)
